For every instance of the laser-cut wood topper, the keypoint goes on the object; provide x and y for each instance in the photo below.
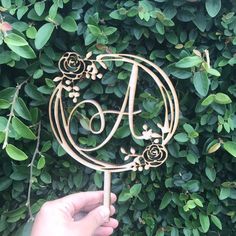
(74, 71)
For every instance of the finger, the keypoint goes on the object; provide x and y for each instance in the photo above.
(93, 220)
(112, 210)
(80, 215)
(90, 207)
(103, 231)
(81, 201)
(111, 223)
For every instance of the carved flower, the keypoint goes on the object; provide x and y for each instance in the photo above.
(71, 65)
(154, 154)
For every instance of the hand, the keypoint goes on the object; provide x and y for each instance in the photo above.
(60, 217)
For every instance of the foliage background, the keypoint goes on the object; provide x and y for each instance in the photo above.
(193, 193)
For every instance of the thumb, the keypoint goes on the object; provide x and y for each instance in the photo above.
(94, 219)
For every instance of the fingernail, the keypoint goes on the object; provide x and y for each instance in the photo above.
(104, 212)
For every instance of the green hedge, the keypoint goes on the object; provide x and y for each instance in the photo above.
(193, 193)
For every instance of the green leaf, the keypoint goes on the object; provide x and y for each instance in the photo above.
(181, 137)
(198, 202)
(200, 21)
(21, 109)
(43, 35)
(213, 72)
(122, 132)
(214, 148)
(84, 121)
(232, 61)
(98, 179)
(109, 30)
(208, 100)
(94, 30)
(188, 128)
(192, 158)
(224, 193)
(15, 40)
(195, 232)
(3, 123)
(4, 104)
(7, 93)
(160, 232)
(6, 3)
(25, 229)
(160, 28)
(39, 7)
(53, 11)
(97, 88)
(216, 221)
(69, 24)
(15, 153)
(21, 11)
(41, 162)
(124, 196)
(189, 62)
(191, 204)
(187, 232)
(210, 173)
(230, 147)
(22, 129)
(165, 200)
(174, 232)
(32, 91)
(171, 38)
(38, 74)
(5, 57)
(213, 7)
(46, 177)
(31, 32)
(181, 73)
(201, 83)
(46, 146)
(123, 75)
(192, 185)
(23, 51)
(117, 15)
(222, 98)
(204, 221)
(135, 189)
(89, 38)
(50, 83)
(5, 183)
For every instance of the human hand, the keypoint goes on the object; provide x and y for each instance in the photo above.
(59, 217)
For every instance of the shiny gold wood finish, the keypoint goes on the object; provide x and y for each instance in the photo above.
(73, 69)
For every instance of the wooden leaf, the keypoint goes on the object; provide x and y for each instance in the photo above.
(68, 88)
(88, 55)
(156, 135)
(57, 79)
(145, 127)
(123, 150)
(132, 150)
(99, 75)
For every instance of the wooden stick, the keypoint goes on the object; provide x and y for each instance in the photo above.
(107, 189)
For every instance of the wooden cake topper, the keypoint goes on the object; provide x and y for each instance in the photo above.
(74, 70)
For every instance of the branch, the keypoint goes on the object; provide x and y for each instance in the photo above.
(6, 130)
(31, 165)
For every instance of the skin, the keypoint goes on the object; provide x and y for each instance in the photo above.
(79, 214)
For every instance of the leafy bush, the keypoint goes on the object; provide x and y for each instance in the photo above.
(193, 193)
